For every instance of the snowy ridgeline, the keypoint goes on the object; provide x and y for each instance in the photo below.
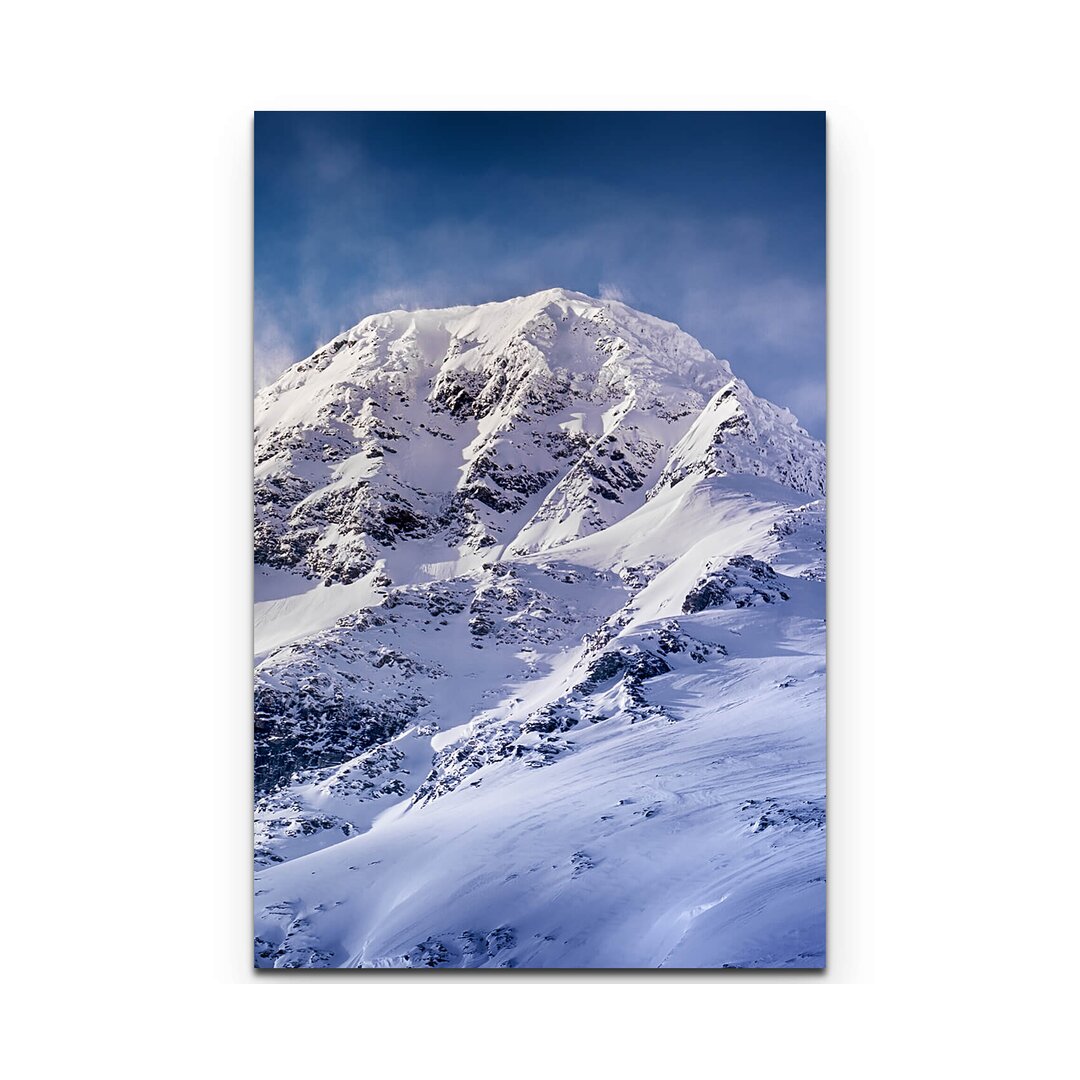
(540, 650)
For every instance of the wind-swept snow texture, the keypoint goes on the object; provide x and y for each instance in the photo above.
(540, 650)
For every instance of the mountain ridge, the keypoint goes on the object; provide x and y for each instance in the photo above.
(551, 380)
(539, 646)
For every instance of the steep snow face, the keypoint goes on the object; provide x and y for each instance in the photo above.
(539, 647)
(510, 427)
(743, 434)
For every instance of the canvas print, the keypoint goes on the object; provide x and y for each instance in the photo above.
(539, 540)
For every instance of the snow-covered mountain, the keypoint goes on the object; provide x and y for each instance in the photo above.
(539, 632)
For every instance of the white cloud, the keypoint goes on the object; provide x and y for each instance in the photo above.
(274, 349)
(608, 291)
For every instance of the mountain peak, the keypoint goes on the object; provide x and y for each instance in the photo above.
(519, 425)
(514, 561)
(554, 329)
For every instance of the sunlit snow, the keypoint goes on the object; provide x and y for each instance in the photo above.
(540, 650)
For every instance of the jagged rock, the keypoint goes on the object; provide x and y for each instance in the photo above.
(632, 663)
(474, 530)
(740, 582)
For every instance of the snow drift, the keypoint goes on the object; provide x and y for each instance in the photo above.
(540, 672)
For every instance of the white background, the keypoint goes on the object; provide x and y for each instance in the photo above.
(953, 235)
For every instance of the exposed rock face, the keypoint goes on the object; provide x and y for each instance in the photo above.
(523, 424)
(526, 556)
(739, 583)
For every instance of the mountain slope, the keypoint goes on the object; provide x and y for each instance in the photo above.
(540, 649)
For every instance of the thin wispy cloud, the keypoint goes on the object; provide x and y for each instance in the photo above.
(367, 217)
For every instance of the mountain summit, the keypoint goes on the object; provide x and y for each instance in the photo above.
(514, 426)
(539, 649)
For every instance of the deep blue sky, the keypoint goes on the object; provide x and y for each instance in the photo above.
(713, 220)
